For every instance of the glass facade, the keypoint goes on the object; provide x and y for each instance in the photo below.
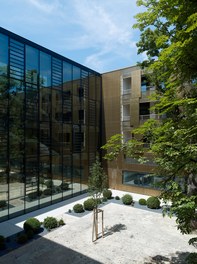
(141, 179)
(49, 126)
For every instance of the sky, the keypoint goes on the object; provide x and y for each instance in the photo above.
(94, 33)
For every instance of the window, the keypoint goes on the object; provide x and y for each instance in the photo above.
(126, 85)
(126, 112)
(143, 179)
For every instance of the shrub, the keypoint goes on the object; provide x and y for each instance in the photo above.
(61, 222)
(50, 223)
(78, 208)
(47, 191)
(2, 242)
(127, 199)
(34, 195)
(22, 239)
(64, 186)
(153, 202)
(104, 199)
(117, 198)
(191, 258)
(89, 204)
(142, 201)
(49, 183)
(32, 224)
(3, 203)
(107, 193)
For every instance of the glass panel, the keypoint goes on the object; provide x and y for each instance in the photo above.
(45, 70)
(143, 179)
(31, 65)
(3, 54)
(4, 165)
(16, 148)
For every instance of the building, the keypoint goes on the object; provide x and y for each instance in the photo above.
(50, 117)
(126, 105)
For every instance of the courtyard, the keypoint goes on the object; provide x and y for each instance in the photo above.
(132, 235)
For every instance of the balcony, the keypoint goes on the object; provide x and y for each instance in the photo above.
(144, 118)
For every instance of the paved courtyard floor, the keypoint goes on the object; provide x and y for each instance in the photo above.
(132, 235)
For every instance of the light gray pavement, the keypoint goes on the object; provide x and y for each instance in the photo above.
(132, 235)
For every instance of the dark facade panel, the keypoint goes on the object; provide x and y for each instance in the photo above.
(48, 136)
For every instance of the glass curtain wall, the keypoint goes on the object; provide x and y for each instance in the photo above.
(49, 126)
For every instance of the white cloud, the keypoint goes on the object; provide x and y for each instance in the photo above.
(44, 6)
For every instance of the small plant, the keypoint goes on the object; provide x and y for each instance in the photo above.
(50, 223)
(107, 193)
(3, 203)
(2, 242)
(117, 198)
(153, 202)
(89, 204)
(70, 211)
(34, 195)
(142, 201)
(61, 222)
(22, 239)
(104, 199)
(127, 199)
(47, 191)
(64, 186)
(49, 183)
(78, 208)
(191, 258)
(32, 224)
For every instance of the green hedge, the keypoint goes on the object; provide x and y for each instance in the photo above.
(32, 224)
(127, 199)
(153, 202)
(78, 208)
(50, 223)
(89, 204)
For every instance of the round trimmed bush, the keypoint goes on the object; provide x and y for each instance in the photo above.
(32, 224)
(89, 204)
(61, 222)
(153, 202)
(191, 258)
(50, 223)
(107, 193)
(2, 242)
(49, 183)
(127, 199)
(34, 195)
(142, 201)
(78, 208)
(47, 191)
(104, 199)
(117, 198)
(22, 239)
(64, 186)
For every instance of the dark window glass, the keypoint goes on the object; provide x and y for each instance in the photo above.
(67, 72)
(3, 54)
(45, 69)
(31, 65)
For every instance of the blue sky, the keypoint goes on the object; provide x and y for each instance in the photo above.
(95, 33)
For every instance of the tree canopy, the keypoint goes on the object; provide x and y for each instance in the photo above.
(169, 39)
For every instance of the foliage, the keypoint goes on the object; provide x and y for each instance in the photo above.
(97, 181)
(127, 199)
(107, 193)
(61, 222)
(104, 199)
(47, 191)
(64, 186)
(50, 223)
(117, 198)
(32, 224)
(3, 203)
(113, 147)
(2, 242)
(89, 204)
(78, 208)
(34, 195)
(191, 258)
(22, 238)
(142, 201)
(49, 183)
(153, 202)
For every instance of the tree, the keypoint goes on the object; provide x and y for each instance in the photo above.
(97, 183)
(168, 37)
